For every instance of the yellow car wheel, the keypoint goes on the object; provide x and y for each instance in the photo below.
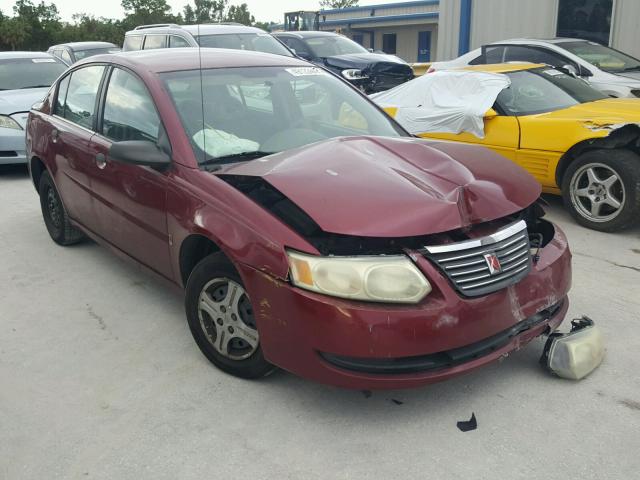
(601, 189)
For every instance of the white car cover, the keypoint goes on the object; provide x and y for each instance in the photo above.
(445, 102)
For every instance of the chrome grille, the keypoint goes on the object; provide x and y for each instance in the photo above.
(470, 265)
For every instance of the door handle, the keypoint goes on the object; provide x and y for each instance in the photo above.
(54, 135)
(101, 161)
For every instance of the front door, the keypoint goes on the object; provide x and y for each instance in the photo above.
(130, 199)
(501, 134)
(71, 129)
(424, 46)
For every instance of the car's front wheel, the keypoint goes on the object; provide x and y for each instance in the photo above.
(55, 216)
(222, 320)
(601, 189)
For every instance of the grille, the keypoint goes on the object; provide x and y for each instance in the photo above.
(471, 265)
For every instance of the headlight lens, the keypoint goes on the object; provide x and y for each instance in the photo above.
(353, 74)
(8, 122)
(375, 279)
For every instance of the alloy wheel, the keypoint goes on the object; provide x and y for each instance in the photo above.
(597, 192)
(226, 318)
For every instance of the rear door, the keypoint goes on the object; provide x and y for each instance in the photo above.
(72, 124)
(131, 199)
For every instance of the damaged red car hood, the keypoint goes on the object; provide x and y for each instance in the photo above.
(395, 187)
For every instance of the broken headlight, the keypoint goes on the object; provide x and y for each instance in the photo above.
(353, 74)
(372, 278)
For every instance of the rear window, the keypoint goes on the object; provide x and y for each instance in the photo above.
(259, 42)
(89, 52)
(24, 73)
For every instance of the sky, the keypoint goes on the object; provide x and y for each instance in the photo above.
(262, 10)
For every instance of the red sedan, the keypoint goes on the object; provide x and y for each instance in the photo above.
(308, 229)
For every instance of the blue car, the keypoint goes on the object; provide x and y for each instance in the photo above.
(25, 78)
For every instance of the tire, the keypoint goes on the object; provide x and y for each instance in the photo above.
(607, 178)
(222, 321)
(55, 216)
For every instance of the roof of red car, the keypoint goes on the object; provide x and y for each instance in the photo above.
(176, 59)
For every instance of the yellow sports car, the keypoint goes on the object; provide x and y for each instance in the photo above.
(569, 136)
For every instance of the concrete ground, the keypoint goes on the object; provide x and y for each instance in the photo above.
(99, 378)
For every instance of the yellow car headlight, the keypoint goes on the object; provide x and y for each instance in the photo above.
(393, 279)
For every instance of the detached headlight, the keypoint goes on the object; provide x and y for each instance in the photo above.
(353, 74)
(8, 122)
(375, 279)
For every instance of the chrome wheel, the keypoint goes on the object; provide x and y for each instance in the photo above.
(597, 193)
(227, 320)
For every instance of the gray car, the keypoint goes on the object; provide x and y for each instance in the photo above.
(215, 35)
(25, 78)
(73, 52)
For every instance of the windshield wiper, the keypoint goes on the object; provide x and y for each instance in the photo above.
(631, 69)
(235, 157)
(34, 86)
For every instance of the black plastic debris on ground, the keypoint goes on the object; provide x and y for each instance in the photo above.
(468, 425)
(397, 402)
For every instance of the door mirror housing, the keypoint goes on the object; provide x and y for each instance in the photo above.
(489, 114)
(139, 152)
(570, 69)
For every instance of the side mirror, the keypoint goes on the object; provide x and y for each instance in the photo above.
(489, 114)
(570, 69)
(139, 152)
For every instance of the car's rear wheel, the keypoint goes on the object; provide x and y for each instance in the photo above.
(601, 189)
(55, 216)
(222, 320)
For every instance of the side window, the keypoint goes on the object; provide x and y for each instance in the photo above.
(129, 111)
(66, 57)
(492, 55)
(534, 55)
(177, 42)
(80, 104)
(152, 42)
(132, 42)
(298, 46)
(63, 86)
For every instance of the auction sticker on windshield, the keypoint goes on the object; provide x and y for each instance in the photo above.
(302, 71)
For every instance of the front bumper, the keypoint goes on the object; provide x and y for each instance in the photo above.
(12, 146)
(323, 338)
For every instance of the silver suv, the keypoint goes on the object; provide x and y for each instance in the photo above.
(218, 35)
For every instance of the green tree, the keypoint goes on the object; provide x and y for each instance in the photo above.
(144, 12)
(40, 24)
(338, 3)
(14, 34)
(240, 14)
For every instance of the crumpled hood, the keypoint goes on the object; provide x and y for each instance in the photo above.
(20, 101)
(388, 187)
(363, 60)
(607, 112)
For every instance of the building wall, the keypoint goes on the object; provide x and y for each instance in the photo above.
(626, 27)
(493, 20)
(448, 29)
(407, 40)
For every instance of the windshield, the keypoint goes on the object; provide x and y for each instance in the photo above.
(604, 58)
(269, 109)
(329, 46)
(259, 42)
(544, 90)
(20, 73)
(89, 52)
